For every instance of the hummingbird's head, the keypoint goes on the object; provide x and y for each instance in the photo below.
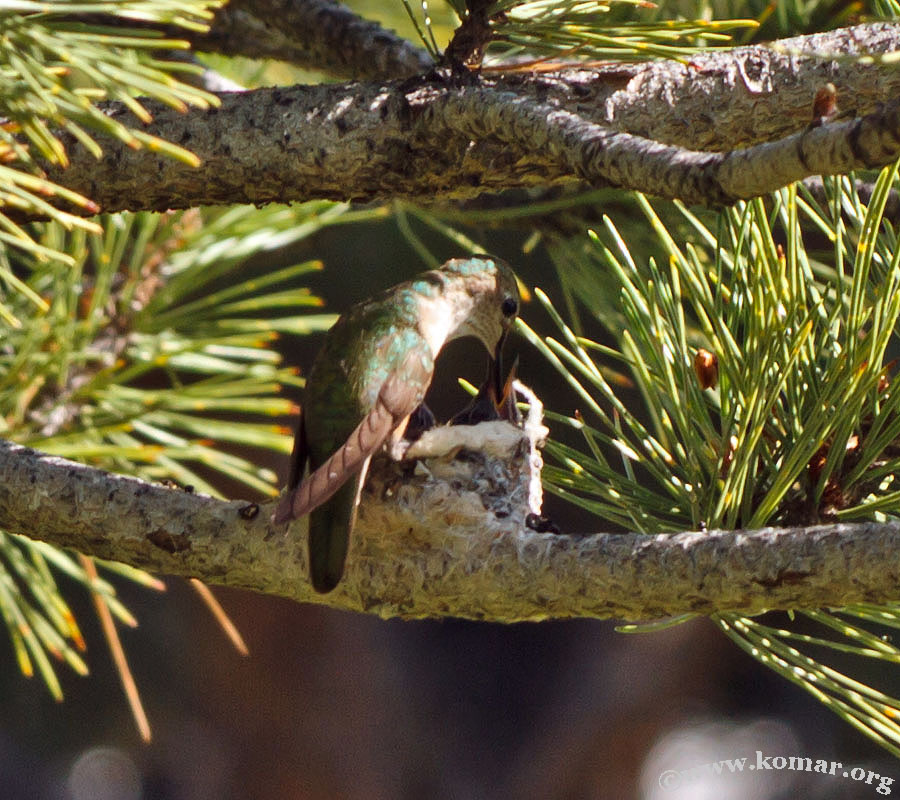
(492, 295)
(486, 298)
(476, 296)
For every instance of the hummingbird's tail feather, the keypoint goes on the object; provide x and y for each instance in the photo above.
(330, 526)
(396, 401)
(323, 482)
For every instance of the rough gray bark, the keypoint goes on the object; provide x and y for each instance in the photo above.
(423, 549)
(321, 35)
(632, 128)
(604, 158)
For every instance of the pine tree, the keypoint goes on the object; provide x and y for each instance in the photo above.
(750, 305)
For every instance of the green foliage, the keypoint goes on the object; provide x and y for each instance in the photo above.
(126, 358)
(584, 29)
(740, 456)
(56, 68)
(587, 29)
(799, 425)
(790, 17)
(137, 343)
(149, 355)
(575, 30)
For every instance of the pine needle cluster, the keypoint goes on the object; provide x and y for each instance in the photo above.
(760, 343)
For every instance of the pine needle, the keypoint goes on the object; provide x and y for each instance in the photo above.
(225, 622)
(118, 654)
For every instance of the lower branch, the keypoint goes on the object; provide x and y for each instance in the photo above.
(425, 548)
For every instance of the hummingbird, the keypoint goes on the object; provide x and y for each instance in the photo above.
(370, 376)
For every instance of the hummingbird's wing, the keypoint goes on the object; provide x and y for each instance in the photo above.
(299, 454)
(399, 396)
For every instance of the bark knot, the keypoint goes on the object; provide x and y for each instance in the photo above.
(170, 542)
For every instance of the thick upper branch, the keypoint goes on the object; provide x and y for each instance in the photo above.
(635, 128)
(475, 562)
(321, 35)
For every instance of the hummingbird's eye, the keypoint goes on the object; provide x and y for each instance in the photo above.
(509, 307)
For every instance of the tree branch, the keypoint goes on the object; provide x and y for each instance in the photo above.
(435, 139)
(604, 158)
(423, 548)
(321, 35)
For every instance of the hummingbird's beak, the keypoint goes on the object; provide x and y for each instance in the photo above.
(497, 367)
(506, 399)
(488, 403)
(503, 394)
